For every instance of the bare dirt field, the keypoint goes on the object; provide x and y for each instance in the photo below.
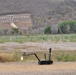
(37, 46)
(32, 68)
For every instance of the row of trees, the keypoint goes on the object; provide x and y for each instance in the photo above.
(6, 31)
(65, 27)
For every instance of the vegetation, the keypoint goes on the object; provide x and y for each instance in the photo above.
(64, 56)
(47, 30)
(10, 56)
(67, 27)
(15, 31)
(3, 31)
(39, 38)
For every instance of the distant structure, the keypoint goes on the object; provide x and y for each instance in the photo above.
(21, 21)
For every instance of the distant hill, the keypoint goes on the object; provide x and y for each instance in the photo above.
(44, 12)
(23, 6)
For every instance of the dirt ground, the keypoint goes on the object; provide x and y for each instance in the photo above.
(37, 46)
(32, 68)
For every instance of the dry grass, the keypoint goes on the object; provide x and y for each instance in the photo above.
(14, 56)
(5, 57)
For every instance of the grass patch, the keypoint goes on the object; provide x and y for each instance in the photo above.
(10, 56)
(64, 56)
(57, 56)
(39, 38)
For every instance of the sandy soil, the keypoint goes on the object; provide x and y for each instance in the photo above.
(32, 68)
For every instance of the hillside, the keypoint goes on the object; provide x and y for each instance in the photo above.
(44, 12)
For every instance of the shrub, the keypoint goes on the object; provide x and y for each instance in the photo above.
(16, 55)
(66, 57)
(5, 31)
(1, 59)
(5, 57)
(67, 27)
(47, 30)
(15, 30)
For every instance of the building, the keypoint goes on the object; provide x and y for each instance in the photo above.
(22, 21)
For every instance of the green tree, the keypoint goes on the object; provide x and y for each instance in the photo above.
(47, 30)
(67, 27)
(15, 30)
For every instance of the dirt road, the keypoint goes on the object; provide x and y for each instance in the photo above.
(32, 68)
